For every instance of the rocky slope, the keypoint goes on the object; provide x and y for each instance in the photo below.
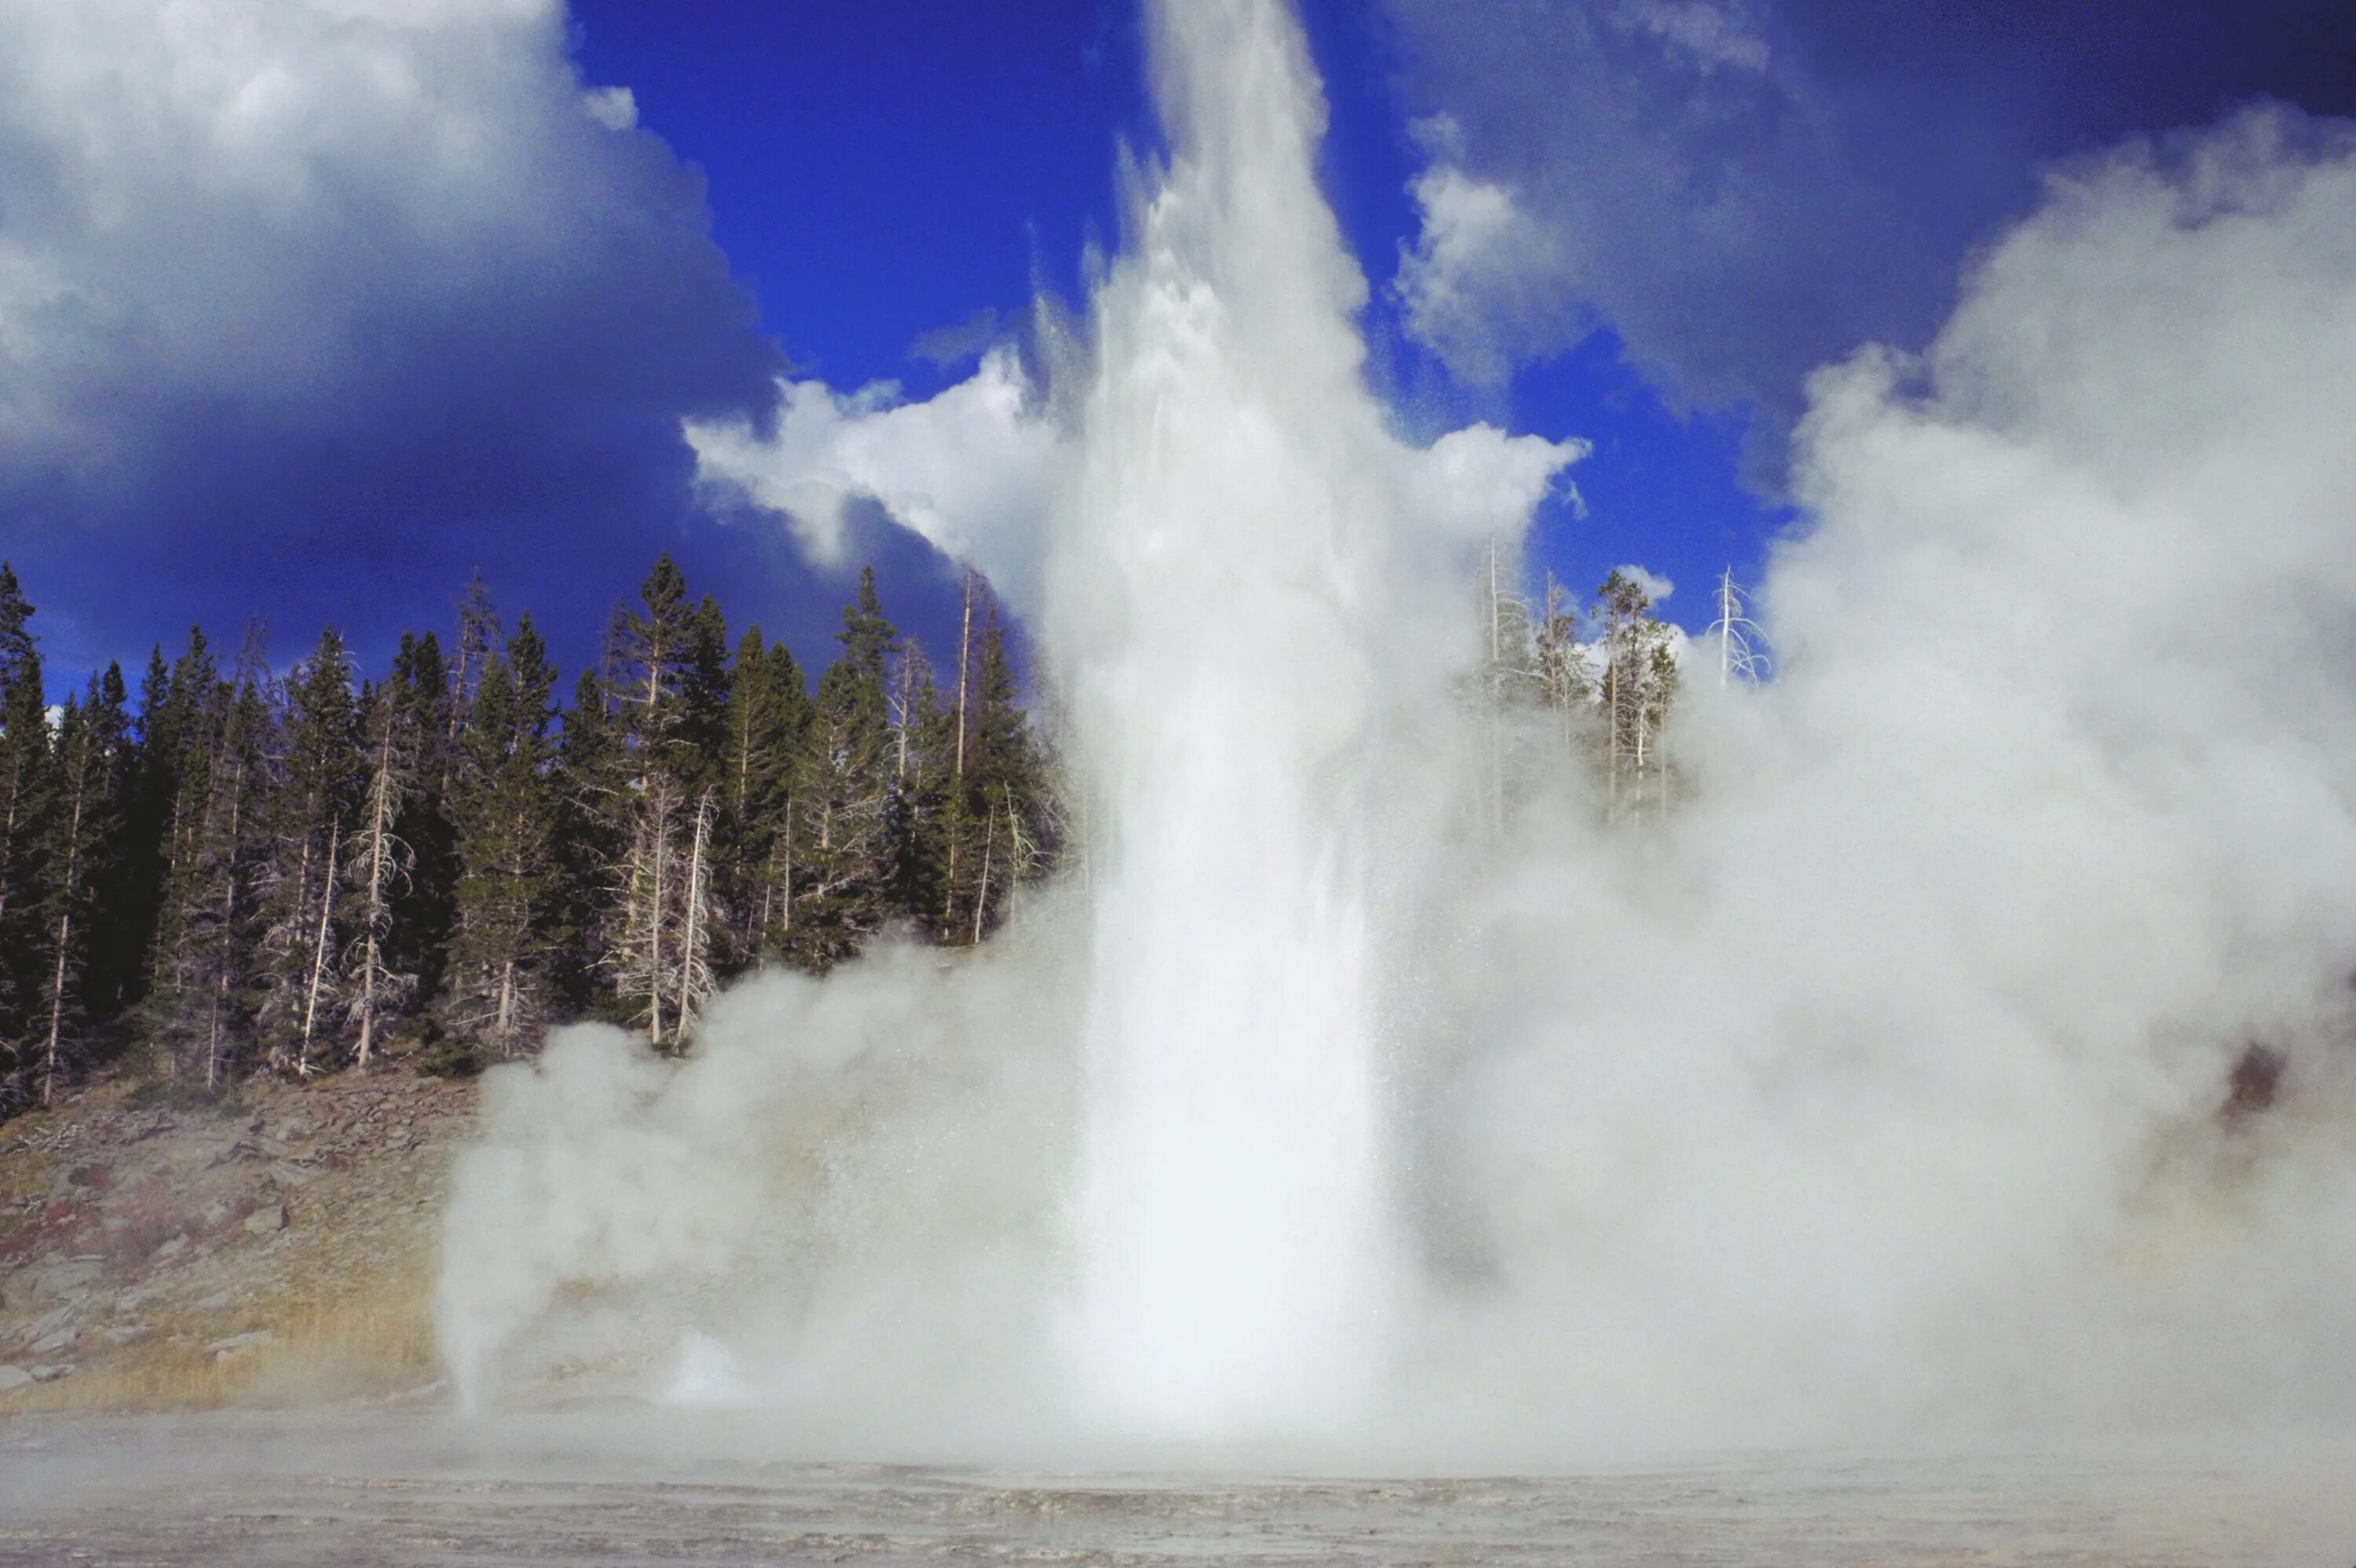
(277, 1247)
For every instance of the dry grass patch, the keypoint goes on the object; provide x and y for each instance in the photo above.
(354, 1349)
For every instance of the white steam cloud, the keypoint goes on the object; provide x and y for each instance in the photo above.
(1872, 1089)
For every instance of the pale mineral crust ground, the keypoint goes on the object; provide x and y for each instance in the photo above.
(271, 1489)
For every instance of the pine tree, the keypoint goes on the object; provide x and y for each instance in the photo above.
(425, 907)
(1566, 683)
(1637, 685)
(509, 924)
(844, 788)
(587, 776)
(89, 739)
(671, 693)
(923, 781)
(202, 998)
(1005, 792)
(310, 819)
(115, 954)
(150, 792)
(768, 723)
(25, 797)
(479, 638)
(179, 732)
(379, 868)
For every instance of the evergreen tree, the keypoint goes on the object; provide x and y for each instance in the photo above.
(844, 785)
(1637, 686)
(1005, 793)
(478, 639)
(923, 781)
(89, 739)
(672, 692)
(1566, 684)
(179, 732)
(768, 721)
(25, 797)
(203, 996)
(115, 954)
(424, 905)
(379, 867)
(310, 820)
(509, 925)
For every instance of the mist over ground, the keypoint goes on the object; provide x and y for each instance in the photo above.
(1877, 1088)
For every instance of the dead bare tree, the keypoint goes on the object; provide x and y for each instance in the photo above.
(383, 863)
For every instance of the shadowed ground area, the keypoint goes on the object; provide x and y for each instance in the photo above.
(254, 1489)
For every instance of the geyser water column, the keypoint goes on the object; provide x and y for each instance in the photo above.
(1215, 595)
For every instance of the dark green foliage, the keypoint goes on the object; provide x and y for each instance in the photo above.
(82, 828)
(207, 975)
(424, 906)
(844, 788)
(25, 805)
(304, 872)
(511, 921)
(309, 820)
(768, 721)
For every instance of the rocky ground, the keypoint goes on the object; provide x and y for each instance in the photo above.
(276, 1247)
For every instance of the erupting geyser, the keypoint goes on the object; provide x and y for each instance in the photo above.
(1369, 1085)
(1215, 598)
(1245, 568)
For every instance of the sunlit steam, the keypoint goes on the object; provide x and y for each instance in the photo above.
(1359, 1090)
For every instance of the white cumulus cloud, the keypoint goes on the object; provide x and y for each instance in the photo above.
(1481, 277)
(969, 469)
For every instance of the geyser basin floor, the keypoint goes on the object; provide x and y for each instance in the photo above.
(379, 1489)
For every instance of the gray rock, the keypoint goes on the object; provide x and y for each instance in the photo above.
(52, 1283)
(47, 1323)
(240, 1344)
(14, 1377)
(267, 1220)
(216, 1301)
(172, 1249)
(57, 1339)
(49, 1374)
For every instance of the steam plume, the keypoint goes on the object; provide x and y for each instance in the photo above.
(1873, 1089)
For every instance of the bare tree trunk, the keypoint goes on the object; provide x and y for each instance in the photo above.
(1496, 701)
(906, 705)
(505, 1026)
(229, 930)
(965, 665)
(1613, 658)
(693, 964)
(319, 950)
(65, 930)
(658, 831)
(981, 894)
(383, 801)
(56, 1002)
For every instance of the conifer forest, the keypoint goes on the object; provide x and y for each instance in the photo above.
(252, 867)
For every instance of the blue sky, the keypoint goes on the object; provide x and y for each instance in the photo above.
(879, 173)
(309, 317)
